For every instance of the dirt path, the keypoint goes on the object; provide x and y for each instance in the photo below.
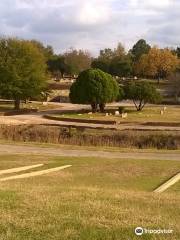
(37, 118)
(52, 151)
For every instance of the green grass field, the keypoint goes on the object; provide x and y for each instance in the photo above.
(95, 199)
(149, 114)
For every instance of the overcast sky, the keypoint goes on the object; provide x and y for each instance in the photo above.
(92, 24)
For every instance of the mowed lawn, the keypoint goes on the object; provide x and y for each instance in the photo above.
(95, 199)
(148, 114)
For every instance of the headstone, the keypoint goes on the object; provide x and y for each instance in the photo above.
(116, 113)
(44, 103)
(90, 113)
(124, 115)
(107, 114)
(164, 109)
(161, 112)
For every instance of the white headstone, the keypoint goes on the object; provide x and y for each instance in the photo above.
(124, 115)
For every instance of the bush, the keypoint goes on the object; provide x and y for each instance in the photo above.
(141, 93)
(94, 87)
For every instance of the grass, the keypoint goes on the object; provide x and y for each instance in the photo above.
(31, 105)
(149, 114)
(96, 199)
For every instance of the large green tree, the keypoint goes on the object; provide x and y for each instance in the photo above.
(22, 70)
(94, 87)
(47, 51)
(140, 48)
(141, 93)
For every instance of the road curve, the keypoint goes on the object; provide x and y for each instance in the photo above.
(60, 151)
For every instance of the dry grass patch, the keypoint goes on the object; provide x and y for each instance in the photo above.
(96, 199)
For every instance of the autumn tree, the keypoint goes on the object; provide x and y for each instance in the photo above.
(77, 60)
(158, 63)
(22, 70)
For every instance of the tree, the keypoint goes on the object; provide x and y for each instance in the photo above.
(121, 66)
(77, 60)
(94, 87)
(57, 66)
(100, 64)
(174, 80)
(119, 51)
(141, 93)
(106, 55)
(178, 52)
(140, 48)
(158, 63)
(22, 70)
(47, 51)
(116, 62)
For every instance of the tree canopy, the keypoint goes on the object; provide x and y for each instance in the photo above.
(77, 60)
(158, 63)
(57, 66)
(22, 70)
(94, 87)
(140, 48)
(141, 93)
(115, 62)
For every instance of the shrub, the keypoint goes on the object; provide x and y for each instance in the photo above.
(94, 87)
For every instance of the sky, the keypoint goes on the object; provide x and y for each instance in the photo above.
(92, 24)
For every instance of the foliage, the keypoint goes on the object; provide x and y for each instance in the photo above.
(140, 48)
(77, 60)
(47, 51)
(115, 62)
(178, 52)
(94, 87)
(100, 64)
(174, 80)
(141, 93)
(121, 66)
(157, 63)
(57, 66)
(22, 70)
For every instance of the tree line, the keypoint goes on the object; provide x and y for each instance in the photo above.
(142, 60)
(26, 65)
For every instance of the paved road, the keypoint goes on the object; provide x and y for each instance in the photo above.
(60, 151)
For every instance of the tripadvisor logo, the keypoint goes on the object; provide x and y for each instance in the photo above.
(139, 231)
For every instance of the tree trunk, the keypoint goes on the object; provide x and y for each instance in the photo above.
(17, 104)
(102, 106)
(94, 107)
